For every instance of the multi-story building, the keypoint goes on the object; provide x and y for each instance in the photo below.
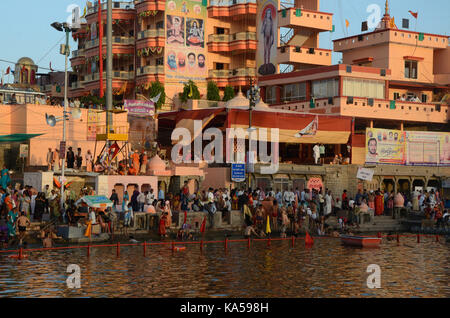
(143, 46)
(390, 78)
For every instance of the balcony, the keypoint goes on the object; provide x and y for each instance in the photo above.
(242, 41)
(117, 133)
(121, 11)
(231, 8)
(236, 77)
(150, 38)
(77, 85)
(150, 70)
(308, 19)
(302, 55)
(78, 57)
(150, 5)
(117, 40)
(117, 75)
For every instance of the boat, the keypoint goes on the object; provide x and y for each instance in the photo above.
(360, 241)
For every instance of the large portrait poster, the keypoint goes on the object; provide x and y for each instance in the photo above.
(186, 51)
(267, 34)
(93, 119)
(385, 146)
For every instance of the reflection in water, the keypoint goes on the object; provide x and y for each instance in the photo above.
(325, 270)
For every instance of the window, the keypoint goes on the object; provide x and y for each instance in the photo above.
(325, 88)
(160, 61)
(160, 25)
(293, 92)
(220, 66)
(364, 88)
(220, 31)
(396, 96)
(411, 69)
(424, 98)
(271, 97)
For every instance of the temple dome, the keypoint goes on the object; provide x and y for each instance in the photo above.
(238, 101)
(261, 105)
(25, 61)
(156, 164)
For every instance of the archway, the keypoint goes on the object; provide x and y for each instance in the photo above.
(145, 187)
(193, 185)
(388, 185)
(120, 191)
(418, 183)
(404, 186)
(433, 183)
(130, 189)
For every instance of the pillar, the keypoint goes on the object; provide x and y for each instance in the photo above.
(401, 126)
(371, 124)
(308, 91)
(278, 94)
(263, 93)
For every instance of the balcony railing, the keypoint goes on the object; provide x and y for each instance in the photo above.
(152, 33)
(116, 5)
(77, 85)
(241, 36)
(78, 53)
(116, 40)
(239, 72)
(116, 75)
(150, 70)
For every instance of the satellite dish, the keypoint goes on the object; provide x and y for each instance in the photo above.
(51, 120)
(76, 113)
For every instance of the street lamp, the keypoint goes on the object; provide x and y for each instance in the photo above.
(65, 50)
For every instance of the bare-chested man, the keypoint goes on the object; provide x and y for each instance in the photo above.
(22, 223)
(268, 33)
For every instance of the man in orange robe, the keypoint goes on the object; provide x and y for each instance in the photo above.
(135, 159)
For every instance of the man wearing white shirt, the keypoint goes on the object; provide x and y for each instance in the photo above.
(150, 197)
(141, 200)
(92, 217)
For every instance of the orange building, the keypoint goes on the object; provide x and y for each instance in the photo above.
(222, 34)
(390, 78)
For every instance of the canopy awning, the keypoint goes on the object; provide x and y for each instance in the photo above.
(97, 201)
(18, 137)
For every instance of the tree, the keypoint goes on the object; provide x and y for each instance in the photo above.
(228, 94)
(190, 91)
(213, 93)
(154, 90)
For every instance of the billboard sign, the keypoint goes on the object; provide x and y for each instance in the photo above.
(140, 107)
(267, 35)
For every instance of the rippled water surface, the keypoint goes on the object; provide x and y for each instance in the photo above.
(325, 270)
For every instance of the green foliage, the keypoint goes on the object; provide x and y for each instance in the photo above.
(190, 91)
(86, 100)
(154, 90)
(228, 94)
(213, 93)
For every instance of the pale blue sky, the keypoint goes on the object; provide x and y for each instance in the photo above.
(25, 25)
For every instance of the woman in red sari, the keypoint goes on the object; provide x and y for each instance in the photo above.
(162, 225)
(379, 206)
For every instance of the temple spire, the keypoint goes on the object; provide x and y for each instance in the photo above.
(386, 8)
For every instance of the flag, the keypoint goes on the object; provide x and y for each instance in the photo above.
(308, 239)
(268, 225)
(414, 14)
(392, 23)
(185, 217)
(8, 70)
(51, 67)
(88, 229)
(347, 24)
(84, 13)
(202, 228)
(309, 130)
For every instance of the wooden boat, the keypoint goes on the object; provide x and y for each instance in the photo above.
(360, 241)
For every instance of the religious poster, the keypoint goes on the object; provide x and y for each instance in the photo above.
(385, 146)
(186, 52)
(267, 34)
(92, 121)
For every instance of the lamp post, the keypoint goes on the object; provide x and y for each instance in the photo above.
(253, 94)
(65, 50)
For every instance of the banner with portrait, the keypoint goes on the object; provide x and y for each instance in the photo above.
(385, 146)
(185, 51)
(267, 35)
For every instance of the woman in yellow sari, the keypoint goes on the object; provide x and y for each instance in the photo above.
(169, 214)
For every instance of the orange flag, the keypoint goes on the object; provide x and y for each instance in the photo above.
(308, 239)
(414, 14)
(202, 228)
(347, 24)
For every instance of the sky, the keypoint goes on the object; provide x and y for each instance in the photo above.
(29, 33)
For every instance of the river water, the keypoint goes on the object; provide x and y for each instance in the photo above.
(327, 269)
